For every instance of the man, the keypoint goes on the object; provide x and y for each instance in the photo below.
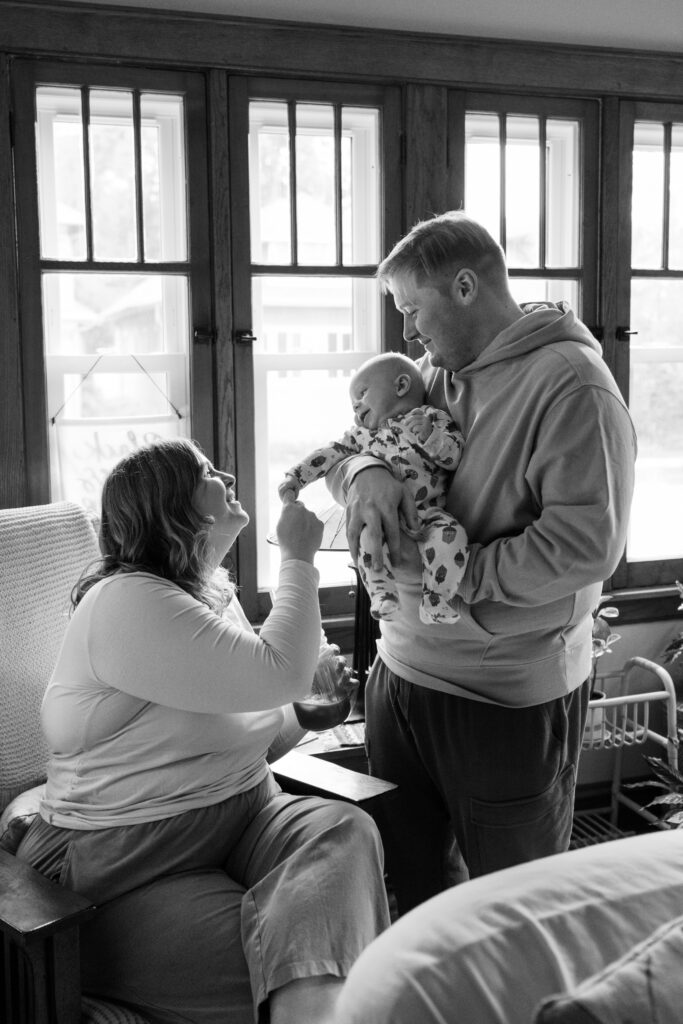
(480, 722)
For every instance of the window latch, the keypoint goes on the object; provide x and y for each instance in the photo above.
(202, 336)
(623, 333)
(245, 337)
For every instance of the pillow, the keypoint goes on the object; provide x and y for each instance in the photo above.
(17, 816)
(644, 985)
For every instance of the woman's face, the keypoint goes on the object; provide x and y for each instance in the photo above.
(215, 496)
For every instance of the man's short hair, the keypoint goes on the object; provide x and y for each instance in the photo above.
(437, 248)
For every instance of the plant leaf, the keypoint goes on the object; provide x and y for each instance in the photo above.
(673, 799)
(665, 772)
(648, 784)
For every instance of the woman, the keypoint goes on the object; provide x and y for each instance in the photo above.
(221, 898)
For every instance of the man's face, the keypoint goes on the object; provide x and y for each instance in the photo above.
(439, 318)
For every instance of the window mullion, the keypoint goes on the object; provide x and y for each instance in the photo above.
(294, 234)
(543, 197)
(667, 195)
(502, 146)
(85, 124)
(137, 156)
(338, 185)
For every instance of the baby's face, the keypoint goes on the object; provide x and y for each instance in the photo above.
(373, 397)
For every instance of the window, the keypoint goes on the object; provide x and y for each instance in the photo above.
(654, 339)
(527, 167)
(317, 230)
(114, 309)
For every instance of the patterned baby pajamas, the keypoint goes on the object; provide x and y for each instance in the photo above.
(426, 468)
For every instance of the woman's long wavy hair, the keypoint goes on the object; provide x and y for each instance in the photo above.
(149, 524)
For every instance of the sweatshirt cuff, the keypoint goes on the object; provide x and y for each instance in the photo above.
(301, 568)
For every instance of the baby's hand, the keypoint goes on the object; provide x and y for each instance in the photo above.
(288, 489)
(420, 424)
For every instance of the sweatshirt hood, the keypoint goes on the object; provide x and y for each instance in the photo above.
(542, 324)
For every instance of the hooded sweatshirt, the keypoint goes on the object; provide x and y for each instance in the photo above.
(543, 489)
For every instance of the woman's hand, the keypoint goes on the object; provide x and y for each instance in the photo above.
(333, 677)
(299, 532)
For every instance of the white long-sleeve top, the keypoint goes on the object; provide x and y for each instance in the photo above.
(157, 705)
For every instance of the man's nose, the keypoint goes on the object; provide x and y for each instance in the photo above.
(409, 331)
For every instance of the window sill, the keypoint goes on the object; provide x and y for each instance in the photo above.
(645, 604)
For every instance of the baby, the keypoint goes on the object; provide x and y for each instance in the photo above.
(422, 447)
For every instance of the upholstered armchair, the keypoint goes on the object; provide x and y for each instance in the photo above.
(43, 550)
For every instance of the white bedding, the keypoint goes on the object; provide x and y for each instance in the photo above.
(488, 951)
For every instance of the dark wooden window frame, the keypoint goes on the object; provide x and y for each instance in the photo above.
(26, 76)
(431, 72)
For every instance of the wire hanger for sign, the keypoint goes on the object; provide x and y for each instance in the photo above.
(84, 377)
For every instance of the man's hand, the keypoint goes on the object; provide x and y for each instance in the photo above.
(373, 502)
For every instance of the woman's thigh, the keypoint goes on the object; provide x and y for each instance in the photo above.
(313, 871)
(173, 949)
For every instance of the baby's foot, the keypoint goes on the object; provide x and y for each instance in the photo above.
(384, 607)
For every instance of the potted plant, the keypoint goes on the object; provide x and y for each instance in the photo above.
(668, 805)
(603, 638)
(675, 648)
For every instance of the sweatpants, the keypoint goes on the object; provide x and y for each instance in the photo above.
(202, 915)
(500, 780)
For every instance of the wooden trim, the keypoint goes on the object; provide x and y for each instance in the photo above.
(219, 188)
(426, 127)
(35, 424)
(13, 491)
(293, 49)
(200, 312)
(242, 396)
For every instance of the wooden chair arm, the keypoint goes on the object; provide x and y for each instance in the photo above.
(40, 949)
(307, 775)
(33, 906)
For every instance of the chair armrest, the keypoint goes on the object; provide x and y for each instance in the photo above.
(32, 906)
(303, 774)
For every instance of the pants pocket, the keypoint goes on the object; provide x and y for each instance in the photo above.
(511, 832)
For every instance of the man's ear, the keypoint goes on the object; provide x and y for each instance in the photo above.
(402, 384)
(465, 286)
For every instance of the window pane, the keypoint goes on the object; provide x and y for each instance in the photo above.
(647, 206)
(522, 192)
(312, 334)
(269, 183)
(315, 191)
(106, 313)
(61, 194)
(306, 315)
(360, 185)
(162, 157)
(482, 170)
(655, 388)
(536, 289)
(112, 175)
(117, 372)
(676, 199)
(303, 410)
(563, 213)
(317, 198)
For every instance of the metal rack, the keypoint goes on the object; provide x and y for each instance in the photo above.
(616, 723)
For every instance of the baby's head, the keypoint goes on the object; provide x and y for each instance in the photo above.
(384, 386)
